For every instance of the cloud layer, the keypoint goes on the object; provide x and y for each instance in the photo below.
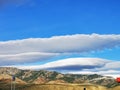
(22, 58)
(75, 64)
(37, 49)
(80, 66)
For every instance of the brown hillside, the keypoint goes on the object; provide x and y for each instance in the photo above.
(5, 78)
(57, 82)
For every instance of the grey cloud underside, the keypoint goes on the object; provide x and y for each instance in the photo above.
(24, 57)
(110, 66)
(74, 64)
(61, 44)
(37, 49)
(74, 67)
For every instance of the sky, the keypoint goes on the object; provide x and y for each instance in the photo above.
(68, 36)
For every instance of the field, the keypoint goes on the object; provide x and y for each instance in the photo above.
(57, 87)
(68, 87)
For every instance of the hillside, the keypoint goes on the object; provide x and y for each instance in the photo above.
(5, 78)
(52, 77)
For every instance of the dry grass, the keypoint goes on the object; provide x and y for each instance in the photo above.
(65, 87)
(115, 88)
(4, 86)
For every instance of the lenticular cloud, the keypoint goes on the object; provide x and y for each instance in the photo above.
(21, 50)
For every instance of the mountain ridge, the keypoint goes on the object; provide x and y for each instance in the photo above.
(44, 77)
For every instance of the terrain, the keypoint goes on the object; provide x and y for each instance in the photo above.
(50, 80)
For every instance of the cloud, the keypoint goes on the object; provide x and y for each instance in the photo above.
(106, 72)
(24, 57)
(112, 73)
(80, 66)
(61, 44)
(70, 64)
(112, 65)
(20, 51)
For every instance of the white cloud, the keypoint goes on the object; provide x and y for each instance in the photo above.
(15, 51)
(60, 44)
(107, 72)
(80, 66)
(24, 57)
(71, 64)
(112, 73)
(112, 65)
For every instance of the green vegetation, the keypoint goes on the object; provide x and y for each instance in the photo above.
(68, 79)
(53, 76)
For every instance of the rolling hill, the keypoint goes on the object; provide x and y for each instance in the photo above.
(48, 80)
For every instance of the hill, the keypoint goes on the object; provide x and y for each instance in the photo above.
(5, 78)
(52, 77)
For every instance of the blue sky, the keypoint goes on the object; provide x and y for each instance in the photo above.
(45, 19)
